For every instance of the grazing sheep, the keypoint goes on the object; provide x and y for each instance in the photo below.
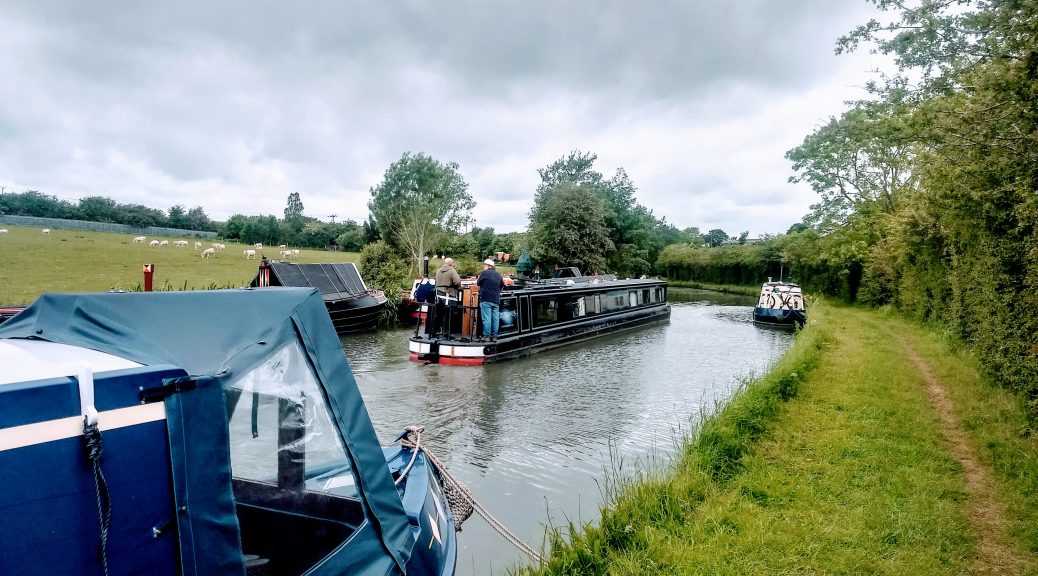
(219, 246)
(46, 231)
(3, 231)
(180, 243)
(208, 252)
(164, 243)
(198, 245)
(249, 254)
(140, 239)
(259, 245)
(295, 252)
(153, 243)
(286, 254)
(282, 246)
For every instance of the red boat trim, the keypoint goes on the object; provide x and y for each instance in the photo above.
(461, 361)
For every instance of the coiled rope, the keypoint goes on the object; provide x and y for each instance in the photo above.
(459, 498)
(92, 442)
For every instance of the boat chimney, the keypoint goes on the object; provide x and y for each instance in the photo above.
(769, 278)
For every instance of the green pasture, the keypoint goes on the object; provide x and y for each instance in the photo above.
(83, 261)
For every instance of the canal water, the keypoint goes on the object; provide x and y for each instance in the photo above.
(535, 438)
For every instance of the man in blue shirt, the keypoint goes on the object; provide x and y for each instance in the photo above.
(490, 283)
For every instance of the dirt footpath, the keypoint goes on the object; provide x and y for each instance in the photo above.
(995, 554)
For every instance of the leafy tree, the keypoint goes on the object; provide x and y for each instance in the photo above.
(371, 233)
(316, 234)
(261, 229)
(352, 237)
(196, 219)
(485, 241)
(456, 246)
(632, 229)
(743, 236)
(140, 216)
(97, 209)
(35, 203)
(232, 228)
(569, 228)
(715, 237)
(177, 217)
(382, 268)
(419, 199)
(294, 207)
(860, 162)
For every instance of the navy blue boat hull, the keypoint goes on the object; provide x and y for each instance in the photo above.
(778, 316)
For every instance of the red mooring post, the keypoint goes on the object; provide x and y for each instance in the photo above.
(149, 270)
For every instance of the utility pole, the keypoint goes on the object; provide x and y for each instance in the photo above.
(333, 218)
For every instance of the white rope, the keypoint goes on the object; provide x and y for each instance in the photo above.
(412, 439)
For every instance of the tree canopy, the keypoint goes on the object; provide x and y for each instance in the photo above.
(635, 235)
(419, 199)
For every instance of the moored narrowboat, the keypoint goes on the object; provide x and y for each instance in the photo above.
(537, 315)
(196, 433)
(352, 306)
(780, 304)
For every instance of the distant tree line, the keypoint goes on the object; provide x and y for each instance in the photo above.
(102, 209)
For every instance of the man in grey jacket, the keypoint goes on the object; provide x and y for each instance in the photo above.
(448, 285)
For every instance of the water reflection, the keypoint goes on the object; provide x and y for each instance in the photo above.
(532, 437)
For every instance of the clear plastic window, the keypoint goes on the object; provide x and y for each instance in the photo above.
(281, 432)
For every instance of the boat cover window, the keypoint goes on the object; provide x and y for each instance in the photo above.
(281, 432)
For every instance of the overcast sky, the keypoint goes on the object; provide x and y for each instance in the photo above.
(234, 105)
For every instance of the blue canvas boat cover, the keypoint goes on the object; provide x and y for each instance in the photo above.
(221, 334)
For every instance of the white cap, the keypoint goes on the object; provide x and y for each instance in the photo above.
(489, 262)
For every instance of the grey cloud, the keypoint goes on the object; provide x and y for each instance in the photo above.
(266, 98)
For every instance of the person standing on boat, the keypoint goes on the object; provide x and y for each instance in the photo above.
(490, 283)
(448, 284)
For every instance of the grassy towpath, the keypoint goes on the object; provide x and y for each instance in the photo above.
(872, 448)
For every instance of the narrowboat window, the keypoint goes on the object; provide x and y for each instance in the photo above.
(281, 432)
(646, 296)
(545, 310)
(614, 300)
(634, 299)
(509, 316)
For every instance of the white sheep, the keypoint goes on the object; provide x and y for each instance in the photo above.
(208, 252)
(259, 245)
(218, 246)
(153, 243)
(140, 239)
(286, 254)
(295, 252)
(282, 246)
(3, 231)
(164, 243)
(180, 243)
(198, 245)
(46, 231)
(249, 254)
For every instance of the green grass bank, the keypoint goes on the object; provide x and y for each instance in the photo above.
(846, 458)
